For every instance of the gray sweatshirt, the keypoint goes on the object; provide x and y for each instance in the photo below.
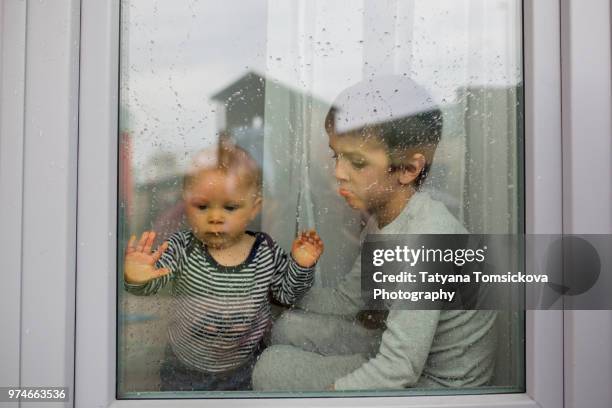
(428, 348)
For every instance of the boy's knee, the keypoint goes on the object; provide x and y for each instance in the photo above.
(260, 380)
(289, 328)
(269, 369)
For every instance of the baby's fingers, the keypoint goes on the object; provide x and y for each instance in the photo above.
(161, 272)
(311, 237)
(142, 241)
(305, 236)
(319, 245)
(149, 242)
(130, 246)
(311, 233)
(160, 250)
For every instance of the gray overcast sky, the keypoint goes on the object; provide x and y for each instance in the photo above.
(176, 54)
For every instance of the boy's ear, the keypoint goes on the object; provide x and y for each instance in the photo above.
(413, 168)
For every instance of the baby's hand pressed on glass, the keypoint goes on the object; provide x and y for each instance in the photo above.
(139, 266)
(307, 248)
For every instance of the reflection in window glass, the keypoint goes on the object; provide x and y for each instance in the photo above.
(244, 123)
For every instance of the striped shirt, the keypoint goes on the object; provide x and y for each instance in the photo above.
(220, 313)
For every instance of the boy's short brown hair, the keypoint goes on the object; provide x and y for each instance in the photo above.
(402, 137)
(396, 111)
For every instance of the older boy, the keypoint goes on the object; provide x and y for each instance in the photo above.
(383, 133)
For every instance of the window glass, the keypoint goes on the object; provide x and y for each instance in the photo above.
(346, 117)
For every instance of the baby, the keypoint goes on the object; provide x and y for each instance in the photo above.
(223, 274)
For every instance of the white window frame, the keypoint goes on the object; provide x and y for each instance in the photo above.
(59, 76)
(39, 85)
(96, 352)
(586, 46)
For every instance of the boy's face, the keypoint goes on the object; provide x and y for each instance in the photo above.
(363, 171)
(219, 206)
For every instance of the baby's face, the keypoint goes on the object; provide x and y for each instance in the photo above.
(219, 206)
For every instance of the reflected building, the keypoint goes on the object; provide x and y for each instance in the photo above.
(241, 113)
(274, 123)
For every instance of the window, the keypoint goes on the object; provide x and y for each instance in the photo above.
(264, 76)
(58, 180)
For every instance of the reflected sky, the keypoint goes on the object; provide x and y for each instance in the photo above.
(176, 54)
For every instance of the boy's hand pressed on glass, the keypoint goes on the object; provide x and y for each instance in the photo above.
(140, 261)
(307, 248)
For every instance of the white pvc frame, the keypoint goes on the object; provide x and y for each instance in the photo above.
(587, 186)
(38, 199)
(12, 18)
(97, 197)
(39, 85)
(44, 242)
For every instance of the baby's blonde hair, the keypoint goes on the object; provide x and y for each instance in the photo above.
(228, 157)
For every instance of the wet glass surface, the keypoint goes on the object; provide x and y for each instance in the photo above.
(263, 76)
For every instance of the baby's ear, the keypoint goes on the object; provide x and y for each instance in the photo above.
(257, 205)
(414, 166)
